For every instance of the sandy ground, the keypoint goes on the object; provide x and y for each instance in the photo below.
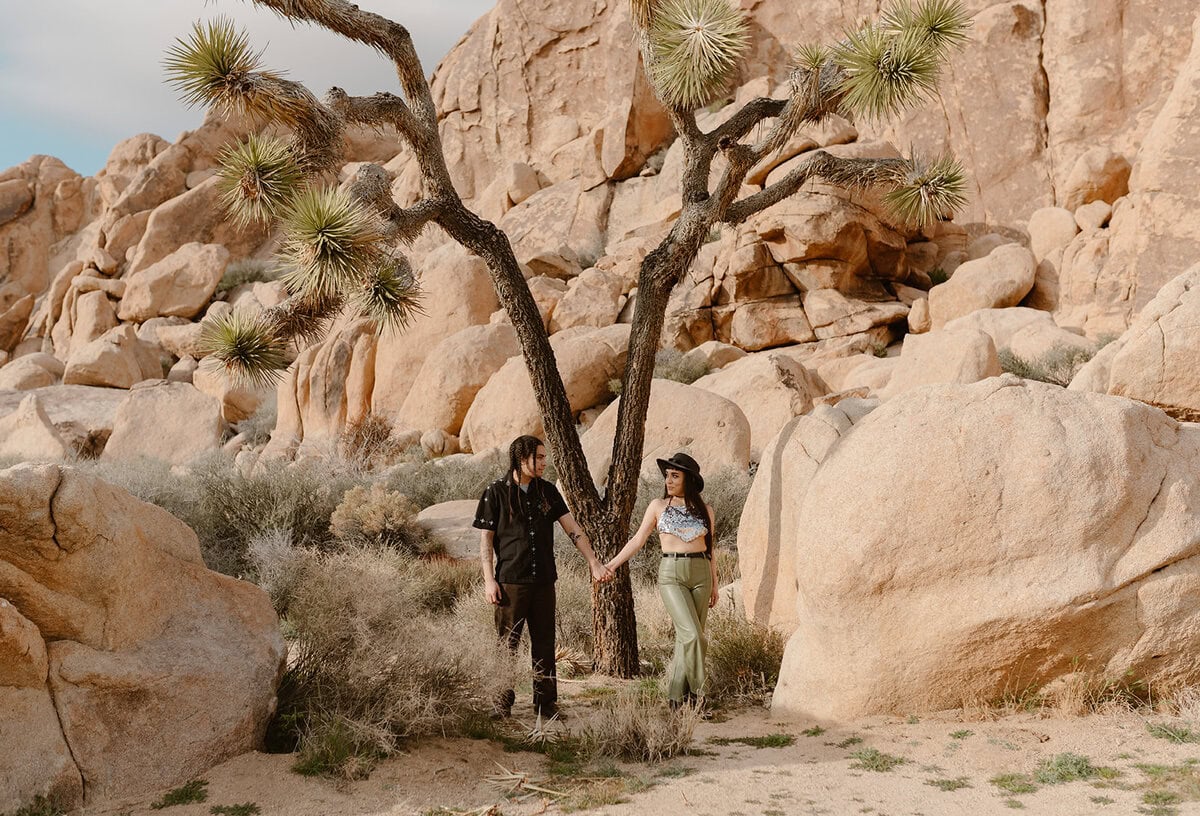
(815, 774)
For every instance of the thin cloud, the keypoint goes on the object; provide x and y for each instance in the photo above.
(94, 70)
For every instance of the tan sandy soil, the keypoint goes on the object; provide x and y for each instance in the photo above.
(814, 775)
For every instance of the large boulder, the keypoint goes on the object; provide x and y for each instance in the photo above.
(963, 356)
(137, 637)
(933, 580)
(179, 285)
(679, 418)
(117, 359)
(1155, 360)
(452, 375)
(82, 414)
(768, 566)
(28, 434)
(169, 421)
(25, 373)
(770, 388)
(999, 279)
(452, 523)
(506, 407)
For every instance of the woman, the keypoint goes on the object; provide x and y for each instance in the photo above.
(686, 579)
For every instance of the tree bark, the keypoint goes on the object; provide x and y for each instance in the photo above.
(614, 625)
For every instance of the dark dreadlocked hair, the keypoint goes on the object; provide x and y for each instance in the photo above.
(694, 503)
(520, 450)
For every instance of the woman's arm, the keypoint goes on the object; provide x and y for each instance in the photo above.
(712, 564)
(639, 538)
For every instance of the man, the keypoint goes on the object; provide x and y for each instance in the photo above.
(516, 517)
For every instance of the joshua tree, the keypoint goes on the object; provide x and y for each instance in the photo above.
(341, 249)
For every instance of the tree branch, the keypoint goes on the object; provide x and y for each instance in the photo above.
(373, 188)
(745, 120)
(379, 109)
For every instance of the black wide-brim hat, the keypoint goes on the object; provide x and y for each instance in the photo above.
(685, 463)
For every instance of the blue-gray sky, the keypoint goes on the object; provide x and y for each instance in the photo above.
(77, 76)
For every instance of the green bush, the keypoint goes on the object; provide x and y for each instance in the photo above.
(670, 364)
(1058, 366)
(247, 270)
(743, 658)
(446, 479)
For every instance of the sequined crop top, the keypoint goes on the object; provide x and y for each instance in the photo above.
(679, 522)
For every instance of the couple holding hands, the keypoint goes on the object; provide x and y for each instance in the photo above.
(516, 517)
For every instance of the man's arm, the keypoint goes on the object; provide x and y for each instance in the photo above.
(491, 589)
(580, 540)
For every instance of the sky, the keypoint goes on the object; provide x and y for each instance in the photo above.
(78, 76)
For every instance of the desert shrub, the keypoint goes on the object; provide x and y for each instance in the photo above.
(938, 275)
(276, 565)
(656, 632)
(441, 480)
(376, 515)
(247, 270)
(743, 658)
(573, 592)
(372, 666)
(369, 443)
(672, 364)
(1059, 365)
(258, 426)
(637, 725)
(40, 806)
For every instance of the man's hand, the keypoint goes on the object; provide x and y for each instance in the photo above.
(601, 573)
(491, 591)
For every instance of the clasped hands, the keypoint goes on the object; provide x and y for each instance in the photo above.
(601, 573)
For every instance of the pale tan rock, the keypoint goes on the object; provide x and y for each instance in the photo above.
(13, 323)
(961, 356)
(749, 272)
(1154, 361)
(679, 418)
(172, 422)
(117, 359)
(87, 317)
(833, 372)
(919, 321)
(82, 414)
(505, 407)
(238, 401)
(180, 284)
(768, 522)
(119, 589)
(763, 324)
(998, 280)
(184, 370)
(769, 388)
(28, 434)
(1050, 229)
(452, 523)
(50, 309)
(1093, 216)
(714, 354)
(832, 314)
(895, 618)
(24, 374)
(1097, 175)
(128, 158)
(558, 228)
(452, 375)
(982, 246)
(437, 443)
(1001, 324)
(547, 292)
(592, 300)
(196, 216)
(182, 340)
(16, 198)
(1037, 340)
(125, 233)
(89, 283)
(873, 375)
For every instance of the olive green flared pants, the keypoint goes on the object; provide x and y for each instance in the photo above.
(686, 586)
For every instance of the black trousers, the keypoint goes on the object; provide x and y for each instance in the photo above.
(531, 604)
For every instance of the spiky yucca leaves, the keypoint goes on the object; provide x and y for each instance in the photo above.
(943, 23)
(257, 179)
(694, 47)
(216, 67)
(247, 348)
(642, 12)
(928, 190)
(330, 243)
(886, 72)
(389, 295)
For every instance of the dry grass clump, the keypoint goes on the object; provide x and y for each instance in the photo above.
(378, 660)
(1059, 365)
(1076, 694)
(743, 658)
(369, 443)
(259, 425)
(637, 725)
(445, 479)
(376, 515)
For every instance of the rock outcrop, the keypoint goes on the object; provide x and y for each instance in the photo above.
(115, 633)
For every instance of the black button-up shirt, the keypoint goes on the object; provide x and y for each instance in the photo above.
(523, 521)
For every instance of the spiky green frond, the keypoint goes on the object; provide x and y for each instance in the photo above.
(246, 348)
(257, 179)
(928, 191)
(390, 296)
(941, 23)
(330, 242)
(886, 72)
(695, 45)
(810, 57)
(216, 67)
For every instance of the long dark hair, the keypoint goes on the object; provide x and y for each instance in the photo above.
(694, 503)
(521, 449)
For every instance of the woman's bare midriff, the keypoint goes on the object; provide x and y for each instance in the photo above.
(675, 544)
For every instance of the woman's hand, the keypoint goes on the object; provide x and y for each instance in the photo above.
(713, 596)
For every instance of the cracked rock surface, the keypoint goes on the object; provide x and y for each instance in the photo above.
(125, 664)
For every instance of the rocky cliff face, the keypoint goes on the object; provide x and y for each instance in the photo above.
(1077, 125)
